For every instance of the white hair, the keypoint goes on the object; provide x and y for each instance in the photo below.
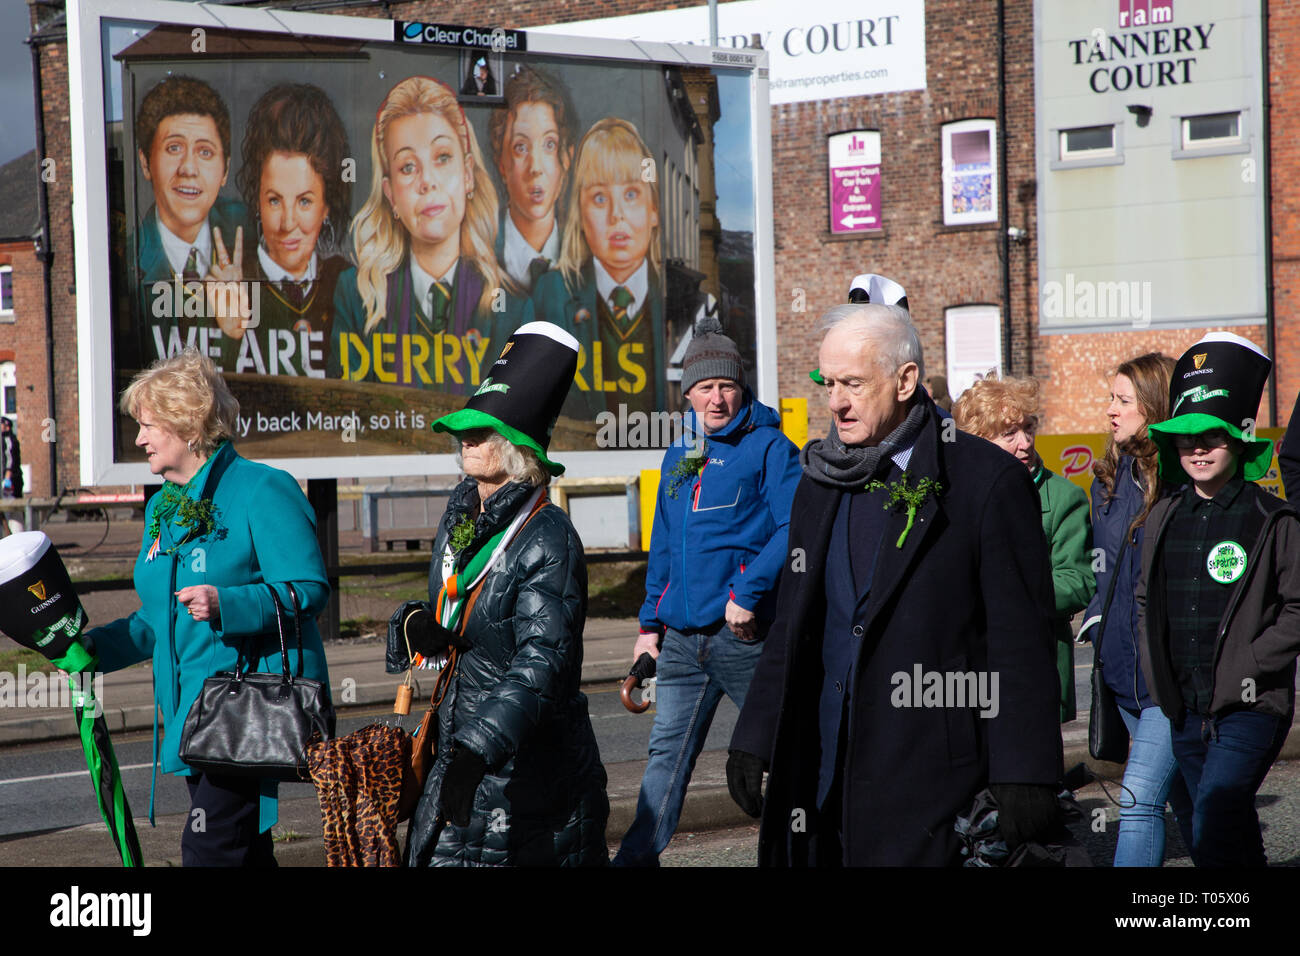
(519, 462)
(888, 328)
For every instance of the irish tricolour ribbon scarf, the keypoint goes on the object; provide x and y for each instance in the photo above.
(457, 584)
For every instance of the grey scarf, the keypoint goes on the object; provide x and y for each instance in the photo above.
(830, 462)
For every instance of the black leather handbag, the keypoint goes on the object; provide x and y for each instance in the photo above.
(248, 723)
(1107, 732)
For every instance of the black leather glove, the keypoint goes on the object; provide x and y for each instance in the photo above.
(460, 783)
(644, 668)
(415, 621)
(745, 780)
(1027, 812)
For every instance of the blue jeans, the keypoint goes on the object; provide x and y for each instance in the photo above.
(1224, 761)
(1152, 776)
(694, 671)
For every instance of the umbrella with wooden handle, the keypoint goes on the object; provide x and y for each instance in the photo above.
(643, 670)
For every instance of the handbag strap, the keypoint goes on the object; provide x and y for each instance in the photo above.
(1110, 594)
(279, 627)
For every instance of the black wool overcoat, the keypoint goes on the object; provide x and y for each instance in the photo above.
(968, 593)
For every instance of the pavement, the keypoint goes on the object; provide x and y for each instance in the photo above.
(358, 681)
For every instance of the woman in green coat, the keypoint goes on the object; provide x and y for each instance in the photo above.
(1005, 412)
(220, 530)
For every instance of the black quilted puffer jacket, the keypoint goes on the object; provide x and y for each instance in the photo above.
(515, 702)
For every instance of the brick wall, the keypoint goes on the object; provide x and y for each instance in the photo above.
(54, 83)
(1284, 167)
(22, 341)
(1076, 386)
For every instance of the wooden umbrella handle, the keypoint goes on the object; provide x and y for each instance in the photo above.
(630, 684)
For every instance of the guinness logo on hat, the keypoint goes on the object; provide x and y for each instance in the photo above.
(509, 346)
(1217, 384)
(52, 621)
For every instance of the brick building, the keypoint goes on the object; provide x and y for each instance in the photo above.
(963, 276)
(23, 356)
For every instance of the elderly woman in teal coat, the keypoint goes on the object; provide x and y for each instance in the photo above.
(221, 529)
(1005, 412)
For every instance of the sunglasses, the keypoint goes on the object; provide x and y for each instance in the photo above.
(1214, 439)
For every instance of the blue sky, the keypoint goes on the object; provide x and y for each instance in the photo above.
(735, 184)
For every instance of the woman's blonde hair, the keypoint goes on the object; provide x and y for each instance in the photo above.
(188, 397)
(990, 405)
(518, 461)
(612, 151)
(381, 243)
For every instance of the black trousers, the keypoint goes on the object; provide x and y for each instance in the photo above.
(222, 825)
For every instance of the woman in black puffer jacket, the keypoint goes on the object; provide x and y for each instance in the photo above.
(517, 779)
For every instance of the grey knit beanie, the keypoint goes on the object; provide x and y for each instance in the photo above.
(710, 355)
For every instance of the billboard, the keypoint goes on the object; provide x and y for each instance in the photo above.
(350, 217)
(820, 49)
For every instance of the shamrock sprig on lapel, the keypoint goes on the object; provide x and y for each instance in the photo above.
(900, 492)
(462, 533)
(198, 517)
(687, 467)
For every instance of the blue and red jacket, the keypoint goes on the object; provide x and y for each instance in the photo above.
(722, 536)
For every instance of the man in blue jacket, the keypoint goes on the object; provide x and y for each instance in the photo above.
(716, 549)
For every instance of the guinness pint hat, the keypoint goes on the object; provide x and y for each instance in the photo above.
(1217, 384)
(38, 606)
(521, 396)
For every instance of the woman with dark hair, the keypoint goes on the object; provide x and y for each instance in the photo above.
(1126, 487)
(293, 152)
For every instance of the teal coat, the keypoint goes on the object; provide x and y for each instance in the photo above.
(265, 532)
(1069, 537)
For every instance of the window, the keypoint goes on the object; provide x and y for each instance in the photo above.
(1088, 146)
(1212, 134)
(8, 389)
(1087, 141)
(970, 174)
(973, 340)
(1215, 129)
(6, 291)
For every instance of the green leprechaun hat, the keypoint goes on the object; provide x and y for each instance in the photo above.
(1217, 384)
(521, 396)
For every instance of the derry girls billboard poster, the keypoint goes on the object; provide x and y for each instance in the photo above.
(351, 216)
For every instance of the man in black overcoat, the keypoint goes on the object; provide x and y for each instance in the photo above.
(911, 667)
